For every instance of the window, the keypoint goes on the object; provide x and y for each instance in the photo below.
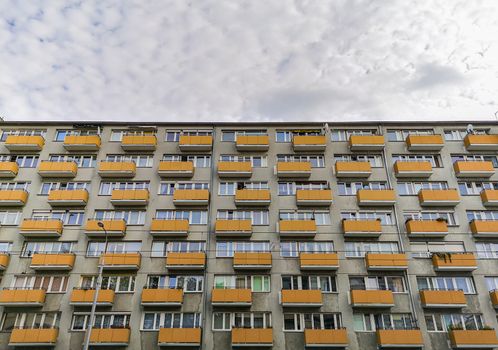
(473, 188)
(412, 188)
(299, 322)
(290, 188)
(491, 282)
(309, 282)
(375, 160)
(443, 322)
(29, 161)
(425, 249)
(396, 284)
(466, 284)
(317, 161)
(449, 216)
(226, 249)
(68, 217)
(5, 247)
(30, 248)
(487, 250)
(484, 215)
(434, 159)
(153, 321)
(287, 135)
(141, 160)
(459, 135)
(256, 161)
(194, 217)
(350, 188)
(257, 217)
(30, 320)
(117, 135)
(343, 135)
(117, 283)
(50, 283)
(359, 249)
(200, 161)
(60, 135)
(229, 188)
(102, 321)
(160, 248)
(224, 321)
(106, 188)
(22, 132)
(386, 218)
(231, 135)
(401, 135)
(132, 217)
(10, 217)
(371, 322)
(189, 284)
(258, 283)
(95, 249)
(168, 188)
(475, 158)
(10, 186)
(172, 135)
(321, 217)
(292, 249)
(83, 161)
(46, 187)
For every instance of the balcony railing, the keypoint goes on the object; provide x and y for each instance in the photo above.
(252, 337)
(443, 298)
(68, 198)
(252, 142)
(4, 261)
(424, 142)
(412, 169)
(22, 297)
(376, 198)
(366, 142)
(234, 169)
(110, 336)
(231, 297)
(121, 261)
(117, 169)
(325, 338)
(85, 296)
(439, 198)
(473, 339)
(309, 143)
(130, 197)
(362, 228)
(191, 197)
(183, 337)
(176, 169)
(301, 298)
(24, 143)
(195, 143)
(58, 262)
(139, 142)
(57, 169)
(426, 228)
(8, 170)
(314, 197)
(162, 297)
(13, 198)
(386, 261)
(481, 142)
(252, 261)
(319, 261)
(186, 261)
(233, 228)
(113, 228)
(297, 228)
(353, 169)
(169, 228)
(454, 261)
(33, 337)
(252, 197)
(484, 228)
(41, 228)
(473, 169)
(372, 298)
(294, 169)
(400, 338)
(82, 143)
(489, 198)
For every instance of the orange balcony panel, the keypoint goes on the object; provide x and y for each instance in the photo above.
(129, 197)
(473, 169)
(162, 297)
(387, 262)
(325, 338)
(179, 337)
(82, 143)
(24, 143)
(412, 169)
(311, 298)
(139, 142)
(438, 198)
(191, 197)
(493, 295)
(314, 197)
(195, 143)
(353, 169)
(372, 298)
(110, 336)
(376, 197)
(482, 228)
(400, 338)
(297, 228)
(41, 228)
(424, 142)
(489, 198)
(168, 228)
(68, 198)
(22, 297)
(309, 143)
(252, 337)
(4, 261)
(234, 169)
(252, 197)
(121, 261)
(186, 261)
(233, 228)
(252, 261)
(44, 337)
(293, 169)
(426, 228)
(114, 228)
(319, 261)
(366, 142)
(13, 198)
(252, 142)
(52, 261)
(8, 170)
(443, 298)
(117, 169)
(473, 339)
(84, 297)
(454, 262)
(231, 297)
(176, 169)
(481, 142)
(57, 169)
(362, 228)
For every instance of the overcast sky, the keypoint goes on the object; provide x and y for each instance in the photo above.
(249, 60)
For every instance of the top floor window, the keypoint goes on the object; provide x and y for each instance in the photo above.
(459, 134)
(174, 135)
(343, 135)
(117, 135)
(231, 135)
(287, 135)
(401, 135)
(60, 135)
(22, 132)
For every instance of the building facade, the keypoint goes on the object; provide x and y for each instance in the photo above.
(277, 235)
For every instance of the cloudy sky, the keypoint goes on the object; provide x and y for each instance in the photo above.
(248, 60)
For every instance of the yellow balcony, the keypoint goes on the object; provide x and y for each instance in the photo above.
(252, 197)
(314, 197)
(4, 261)
(483, 229)
(473, 339)
(309, 143)
(300, 298)
(186, 261)
(292, 228)
(400, 338)
(443, 298)
(231, 297)
(489, 198)
(117, 169)
(252, 261)
(233, 228)
(424, 142)
(32, 337)
(139, 142)
(362, 228)
(169, 228)
(82, 143)
(110, 336)
(493, 295)
(386, 262)
(22, 297)
(438, 198)
(121, 261)
(191, 197)
(372, 298)
(325, 338)
(454, 262)
(376, 197)
(353, 169)
(234, 169)
(24, 143)
(252, 337)
(319, 261)
(57, 169)
(426, 228)
(8, 170)
(473, 169)
(52, 261)
(41, 228)
(183, 337)
(84, 297)
(412, 169)
(176, 169)
(130, 197)
(114, 228)
(13, 198)
(481, 142)
(195, 143)
(366, 142)
(68, 198)
(293, 169)
(252, 143)
(162, 297)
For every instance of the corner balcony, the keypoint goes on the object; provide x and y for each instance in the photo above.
(179, 337)
(454, 261)
(424, 142)
(366, 142)
(139, 143)
(252, 337)
(252, 261)
(473, 339)
(309, 143)
(481, 142)
(301, 298)
(110, 337)
(4, 261)
(117, 169)
(8, 170)
(84, 297)
(169, 228)
(51, 228)
(176, 169)
(353, 169)
(239, 228)
(438, 198)
(195, 143)
(191, 197)
(372, 298)
(319, 261)
(291, 228)
(52, 262)
(422, 169)
(114, 228)
(484, 229)
(489, 198)
(34, 337)
(257, 143)
(130, 197)
(90, 143)
(400, 339)
(186, 261)
(473, 169)
(18, 297)
(314, 198)
(13, 198)
(325, 338)
(426, 228)
(362, 228)
(57, 169)
(68, 198)
(386, 262)
(234, 169)
(231, 297)
(121, 261)
(378, 198)
(162, 297)
(443, 299)
(493, 295)
(252, 198)
(293, 169)
(24, 143)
